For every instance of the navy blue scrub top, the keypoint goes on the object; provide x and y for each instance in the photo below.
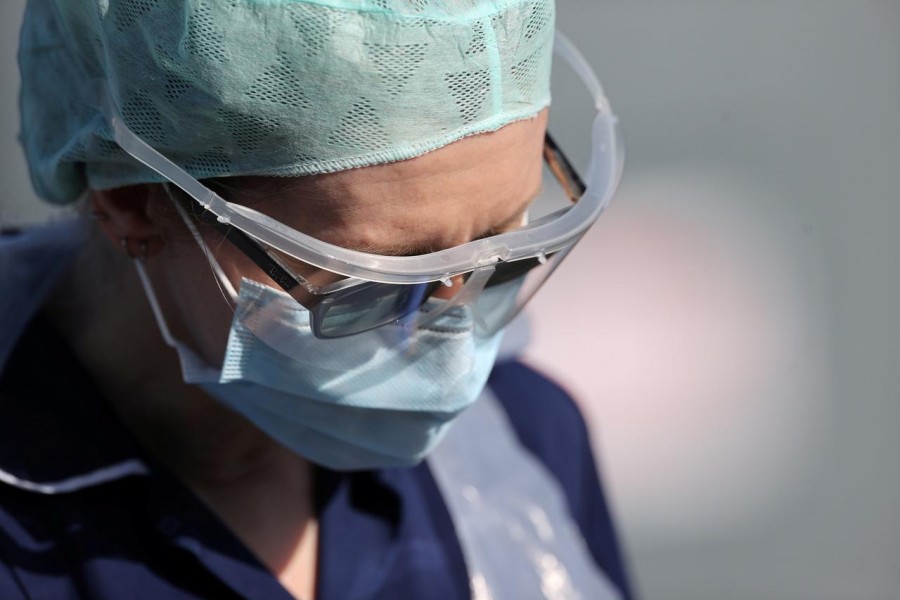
(384, 535)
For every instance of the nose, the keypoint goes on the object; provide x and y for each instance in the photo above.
(466, 288)
(447, 292)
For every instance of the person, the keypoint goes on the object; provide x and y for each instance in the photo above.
(310, 223)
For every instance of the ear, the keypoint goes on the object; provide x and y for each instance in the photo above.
(124, 217)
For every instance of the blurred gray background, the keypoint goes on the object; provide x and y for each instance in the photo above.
(729, 325)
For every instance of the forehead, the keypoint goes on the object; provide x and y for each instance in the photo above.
(441, 199)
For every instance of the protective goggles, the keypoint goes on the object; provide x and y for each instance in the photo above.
(348, 292)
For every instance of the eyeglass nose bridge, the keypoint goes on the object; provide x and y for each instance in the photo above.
(471, 289)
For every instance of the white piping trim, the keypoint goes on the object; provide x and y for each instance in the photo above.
(79, 482)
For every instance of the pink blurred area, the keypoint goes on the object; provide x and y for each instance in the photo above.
(686, 325)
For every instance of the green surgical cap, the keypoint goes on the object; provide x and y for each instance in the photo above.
(270, 87)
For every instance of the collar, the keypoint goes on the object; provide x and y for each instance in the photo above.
(56, 434)
(31, 263)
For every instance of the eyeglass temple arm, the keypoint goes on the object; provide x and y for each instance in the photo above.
(263, 259)
(563, 170)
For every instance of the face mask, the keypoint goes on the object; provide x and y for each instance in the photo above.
(360, 402)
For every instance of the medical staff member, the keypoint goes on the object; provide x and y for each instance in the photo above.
(311, 223)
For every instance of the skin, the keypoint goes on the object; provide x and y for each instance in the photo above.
(258, 488)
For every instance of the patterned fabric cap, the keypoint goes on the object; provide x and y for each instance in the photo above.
(271, 87)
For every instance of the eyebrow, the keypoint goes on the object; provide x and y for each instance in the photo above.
(418, 249)
(241, 195)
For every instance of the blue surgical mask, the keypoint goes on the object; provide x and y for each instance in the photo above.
(360, 402)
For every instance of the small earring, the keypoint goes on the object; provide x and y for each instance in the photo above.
(96, 215)
(124, 242)
(143, 255)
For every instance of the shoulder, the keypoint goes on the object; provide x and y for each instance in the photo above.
(544, 415)
(549, 424)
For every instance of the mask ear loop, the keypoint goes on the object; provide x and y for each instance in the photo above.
(221, 279)
(193, 369)
(154, 303)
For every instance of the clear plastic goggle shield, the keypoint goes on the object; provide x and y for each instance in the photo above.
(482, 284)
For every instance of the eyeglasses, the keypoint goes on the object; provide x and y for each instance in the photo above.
(329, 304)
(364, 291)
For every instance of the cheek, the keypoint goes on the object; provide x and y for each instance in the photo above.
(202, 311)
